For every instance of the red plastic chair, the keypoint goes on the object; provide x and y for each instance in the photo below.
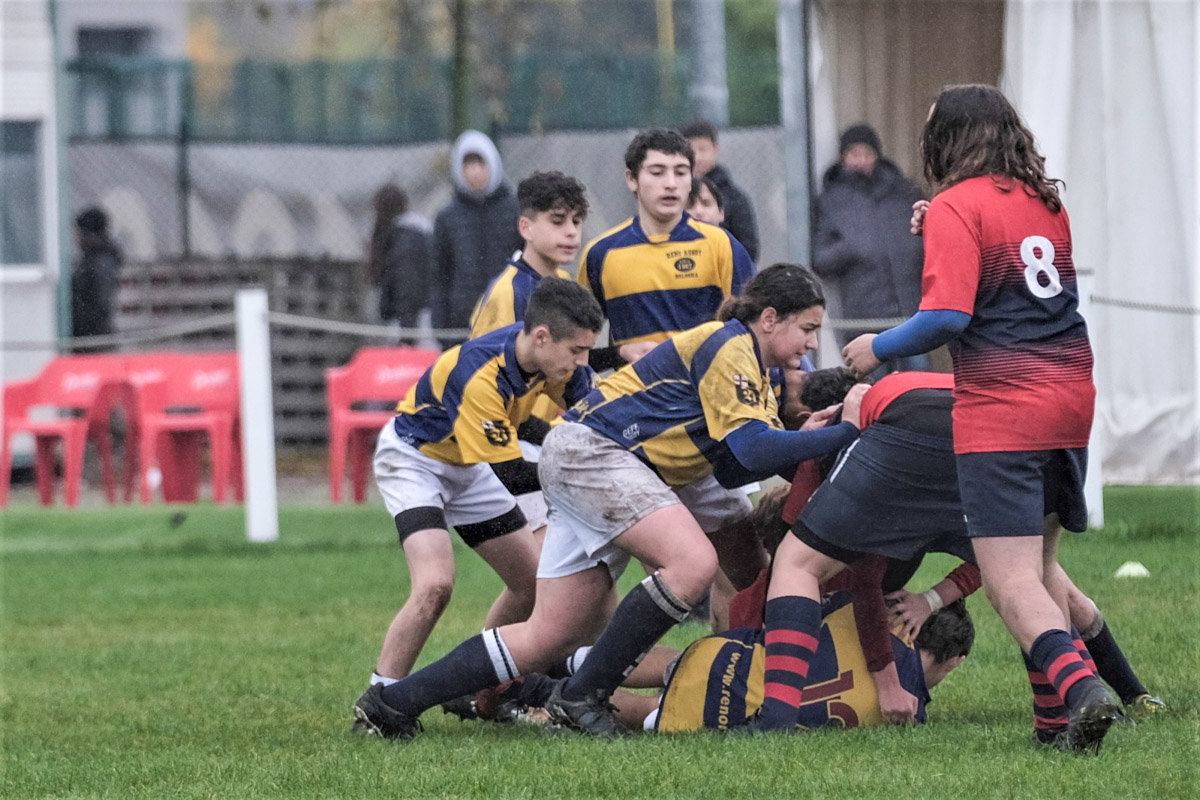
(374, 375)
(182, 399)
(68, 385)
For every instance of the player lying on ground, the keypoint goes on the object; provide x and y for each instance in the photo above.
(717, 682)
(699, 405)
(450, 457)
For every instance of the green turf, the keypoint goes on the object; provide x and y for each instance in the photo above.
(146, 656)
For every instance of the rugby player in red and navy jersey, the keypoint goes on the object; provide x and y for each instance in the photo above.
(999, 286)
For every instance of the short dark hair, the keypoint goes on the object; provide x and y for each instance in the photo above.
(473, 156)
(564, 307)
(826, 387)
(712, 187)
(660, 139)
(699, 129)
(92, 220)
(787, 288)
(543, 191)
(948, 633)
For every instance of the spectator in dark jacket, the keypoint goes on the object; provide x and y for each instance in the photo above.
(95, 278)
(476, 234)
(399, 258)
(863, 241)
(739, 212)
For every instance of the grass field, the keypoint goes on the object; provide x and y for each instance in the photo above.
(145, 656)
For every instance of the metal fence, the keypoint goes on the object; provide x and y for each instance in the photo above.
(391, 101)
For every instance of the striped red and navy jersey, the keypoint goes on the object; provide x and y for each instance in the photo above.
(1023, 365)
(654, 286)
(718, 681)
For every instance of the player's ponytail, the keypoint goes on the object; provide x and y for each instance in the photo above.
(787, 288)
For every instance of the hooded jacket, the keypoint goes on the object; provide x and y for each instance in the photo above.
(864, 243)
(473, 236)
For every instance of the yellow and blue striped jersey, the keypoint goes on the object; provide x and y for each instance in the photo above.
(467, 407)
(652, 287)
(718, 682)
(505, 299)
(674, 406)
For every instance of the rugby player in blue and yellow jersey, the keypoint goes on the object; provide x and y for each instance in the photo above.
(553, 207)
(717, 682)
(698, 405)
(450, 458)
(661, 271)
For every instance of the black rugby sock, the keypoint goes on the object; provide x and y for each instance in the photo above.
(1113, 666)
(647, 612)
(478, 663)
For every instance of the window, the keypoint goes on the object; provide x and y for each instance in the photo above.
(20, 193)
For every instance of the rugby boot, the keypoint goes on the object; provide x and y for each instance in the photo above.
(1145, 705)
(462, 707)
(592, 715)
(374, 717)
(1089, 721)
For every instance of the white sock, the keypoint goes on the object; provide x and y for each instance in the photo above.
(377, 678)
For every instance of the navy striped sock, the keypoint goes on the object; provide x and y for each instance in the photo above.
(793, 625)
(1049, 713)
(1054, 655)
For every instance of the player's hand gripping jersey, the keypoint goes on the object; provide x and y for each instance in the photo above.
(652, 287)
(673, 407)
(505, 299)
(1023, 365)
(718, 682)
(467, 407)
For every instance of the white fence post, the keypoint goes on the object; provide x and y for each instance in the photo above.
(258, 425)
(1093, 486)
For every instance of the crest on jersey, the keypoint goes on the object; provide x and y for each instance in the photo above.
(747, 390)
(497, 432)
(631, 432)
(685, 265)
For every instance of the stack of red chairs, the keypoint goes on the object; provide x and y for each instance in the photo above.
(172, 402)
(59, 405)
(183, 399)
(375, 376)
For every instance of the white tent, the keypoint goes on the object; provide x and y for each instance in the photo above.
(1111, 92)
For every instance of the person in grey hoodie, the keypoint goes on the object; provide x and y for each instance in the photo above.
(475, 234)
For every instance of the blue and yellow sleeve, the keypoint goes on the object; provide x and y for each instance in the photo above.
(482, 427)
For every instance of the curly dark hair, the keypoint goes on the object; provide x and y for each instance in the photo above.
(827, 387)
(660, 139)
(974, 131)
(543, 191)
(948, 633)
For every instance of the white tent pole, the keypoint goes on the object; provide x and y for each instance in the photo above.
(258, 426)
(1093, 486)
